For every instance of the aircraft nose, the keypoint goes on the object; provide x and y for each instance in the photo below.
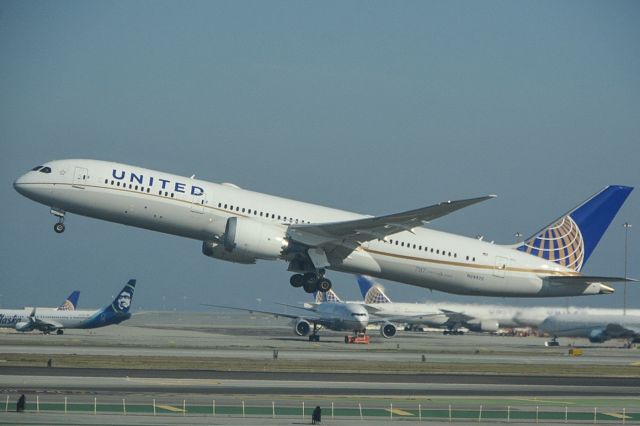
(19, 185)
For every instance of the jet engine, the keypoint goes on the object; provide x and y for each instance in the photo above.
(598, 335)
(387, 330)
(486, 326)
(24, 326)
(217, 251)
(249, 238)
(301, 327)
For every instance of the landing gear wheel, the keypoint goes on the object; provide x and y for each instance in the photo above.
(309, 287)
(310, 282)
(59, 227)
(59, 332)
(314, 338)
(324, 285)
(296, 280)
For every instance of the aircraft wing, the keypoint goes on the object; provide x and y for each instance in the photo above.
(310, 318)
(615, 330)
(372, 228)
(411, 319)
(457, 317)
(43, 325)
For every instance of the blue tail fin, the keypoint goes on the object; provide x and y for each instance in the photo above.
(122, 303)
(71, 304)
(372, 292)
(570, 240)
(116, 312)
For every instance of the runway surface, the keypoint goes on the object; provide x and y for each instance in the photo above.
(475, 365)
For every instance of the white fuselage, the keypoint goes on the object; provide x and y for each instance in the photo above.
(583, 325)
(65, 319)
(199, 210)
(343, 316)
(431, 314)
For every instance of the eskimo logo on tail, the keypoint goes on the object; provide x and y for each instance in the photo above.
(122, 303)
(570, 240)
(561, 243)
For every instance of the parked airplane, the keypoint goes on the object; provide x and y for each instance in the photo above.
(597, 328)
(243, 226)
(48, 320)
(8, 317)
(334, 316)
(473, 316)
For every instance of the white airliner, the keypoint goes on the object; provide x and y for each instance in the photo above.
(242, 226)
(473, 316)
(10, 317)
(334, 316)
(49, 320)
(597, 328)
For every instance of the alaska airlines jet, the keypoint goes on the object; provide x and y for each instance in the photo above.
(48, 320)
(9, 317)
(242, 226)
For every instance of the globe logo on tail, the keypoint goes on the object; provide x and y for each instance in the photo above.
(561, 243)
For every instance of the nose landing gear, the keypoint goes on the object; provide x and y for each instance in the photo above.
(58, 227)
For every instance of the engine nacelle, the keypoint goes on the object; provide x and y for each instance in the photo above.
(217, 251)
(302, 327)
(486, 326)
(250, 238)
(597, 335)
(24, 326)
(387, 330)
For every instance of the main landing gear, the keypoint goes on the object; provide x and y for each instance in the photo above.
(58, 227)
(314, 336)
(311, 282)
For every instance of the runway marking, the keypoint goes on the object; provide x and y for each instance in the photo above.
(170, 408)
(548, 401)
(617, 415)
(399, 412)
(173, 382)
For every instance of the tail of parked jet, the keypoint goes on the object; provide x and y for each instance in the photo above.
(71, 304)
(328, 296)
(117, 311)
(570, 240)
(372, 292)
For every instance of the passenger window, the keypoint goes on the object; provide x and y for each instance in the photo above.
(243, 210)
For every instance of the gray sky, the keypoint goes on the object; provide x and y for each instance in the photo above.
(374, 107)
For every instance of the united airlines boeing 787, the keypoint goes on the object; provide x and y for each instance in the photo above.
(242, 226)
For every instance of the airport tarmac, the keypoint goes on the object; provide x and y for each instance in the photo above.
(229, 357)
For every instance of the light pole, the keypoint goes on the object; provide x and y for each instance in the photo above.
(626, 225)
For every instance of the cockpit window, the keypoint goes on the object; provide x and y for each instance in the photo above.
(45, 170)
(36, 168)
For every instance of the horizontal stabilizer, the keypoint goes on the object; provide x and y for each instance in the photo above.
(586, 279)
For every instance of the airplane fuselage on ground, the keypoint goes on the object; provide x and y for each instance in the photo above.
(267, 227)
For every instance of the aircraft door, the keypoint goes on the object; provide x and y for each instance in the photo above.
(500, 267)
(80, 176)
(197, 203)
